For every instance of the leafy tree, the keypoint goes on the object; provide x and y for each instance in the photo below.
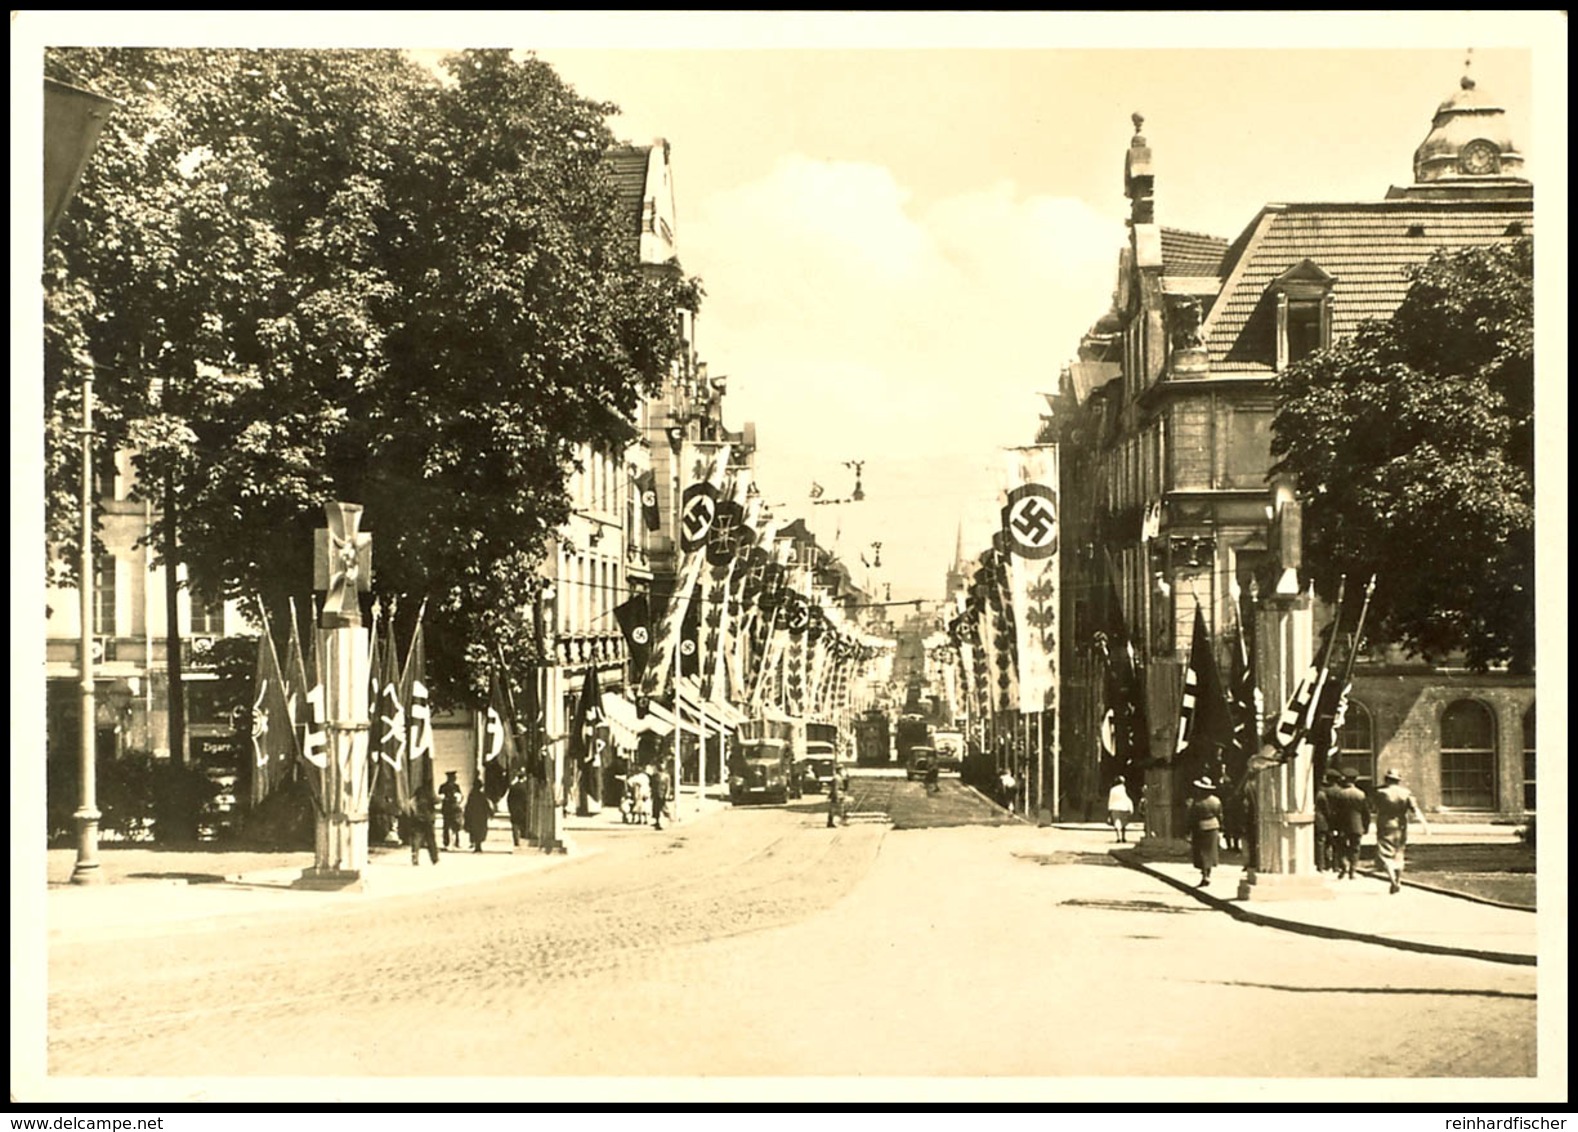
(303, 276)
(1413, 444)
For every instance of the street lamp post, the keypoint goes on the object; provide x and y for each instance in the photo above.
(86, 870)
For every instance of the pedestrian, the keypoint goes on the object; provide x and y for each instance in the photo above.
(478, 811)
(419, 823)
(659, 779)
(1350, 819)
(1233, 814)
(1119, 808)
(933, 779)
(1330, 784)
(639, 789)
(519, 803)
(450, 793)
(1205, 827)
(1395, 804)
(838, 798)
(1005, 787)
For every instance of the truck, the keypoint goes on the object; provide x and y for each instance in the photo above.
(950, 749)
(763, 765)
(912, 731)
(760, 771)
(818, 761)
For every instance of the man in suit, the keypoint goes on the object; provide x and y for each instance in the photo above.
(1350, 821)
(1325, 831)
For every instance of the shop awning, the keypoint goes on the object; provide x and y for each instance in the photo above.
(627, 724)
(721, 715)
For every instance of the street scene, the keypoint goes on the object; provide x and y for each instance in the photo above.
(757, 942)
(588, 557)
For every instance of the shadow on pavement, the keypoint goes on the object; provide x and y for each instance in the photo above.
(1127, 905)
(1470, 992)
(189, 878)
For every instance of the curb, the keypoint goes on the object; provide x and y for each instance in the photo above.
(1238, 912)
(995, 804)
(1373, 875)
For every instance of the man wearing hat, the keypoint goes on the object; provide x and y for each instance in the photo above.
(1205, 827)
(1326, 839)
(1350, 820)
(1394, 805)
(450, 795)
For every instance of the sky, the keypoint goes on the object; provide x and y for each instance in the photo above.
(901, 248)
(903, 223)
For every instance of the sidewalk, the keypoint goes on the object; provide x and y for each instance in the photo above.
(1363, 909)
(682, 811)
(137, 907)
(198, 892)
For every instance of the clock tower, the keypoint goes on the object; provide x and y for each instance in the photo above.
(1469, 151)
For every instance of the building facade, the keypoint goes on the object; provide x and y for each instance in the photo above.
(1166, 426)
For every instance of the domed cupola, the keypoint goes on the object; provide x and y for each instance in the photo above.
(1469, 141)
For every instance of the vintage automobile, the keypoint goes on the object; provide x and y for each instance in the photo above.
(819, 767)
(759, 771)
(920, 761)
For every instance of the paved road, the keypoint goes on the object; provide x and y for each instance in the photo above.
(758, 942)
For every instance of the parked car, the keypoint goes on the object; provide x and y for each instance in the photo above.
(921, 760)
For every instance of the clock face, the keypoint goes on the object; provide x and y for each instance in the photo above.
(1479, 157)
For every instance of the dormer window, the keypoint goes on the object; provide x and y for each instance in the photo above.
(1303, 296)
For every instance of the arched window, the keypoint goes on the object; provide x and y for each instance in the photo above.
(1468, 756)
(1528, 759)
(1357, 739)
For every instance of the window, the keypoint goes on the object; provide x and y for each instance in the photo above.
(1357, 740)
(1303, 296)
(1468, 757)
(208, 617)
(1304, 329)
(1528, 760)
(104, 595)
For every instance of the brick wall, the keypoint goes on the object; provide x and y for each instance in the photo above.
(1406, 710)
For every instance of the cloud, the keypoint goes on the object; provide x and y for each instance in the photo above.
(856, 322)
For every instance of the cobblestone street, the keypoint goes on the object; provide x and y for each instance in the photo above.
(758, 942)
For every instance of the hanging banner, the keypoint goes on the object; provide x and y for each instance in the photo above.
(699, 508)
(1030, 540)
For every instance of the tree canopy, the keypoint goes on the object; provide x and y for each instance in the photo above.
(302, 276)
(1413, 443)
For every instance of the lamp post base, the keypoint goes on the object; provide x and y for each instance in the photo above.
(1261, 886)
(331, 880)
(86, 870)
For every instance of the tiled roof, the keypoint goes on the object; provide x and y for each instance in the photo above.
(1367, 247)
(1191, 253)
(627, 169)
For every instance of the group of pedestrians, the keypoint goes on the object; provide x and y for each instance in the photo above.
(1342, 817)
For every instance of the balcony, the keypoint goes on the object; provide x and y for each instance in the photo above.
(579, 649)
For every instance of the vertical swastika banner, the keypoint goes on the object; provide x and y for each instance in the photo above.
(1030, 542)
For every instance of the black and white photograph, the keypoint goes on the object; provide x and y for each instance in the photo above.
(870, 557)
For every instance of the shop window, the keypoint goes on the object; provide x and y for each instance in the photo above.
(1468, 757)
(1528, 760)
